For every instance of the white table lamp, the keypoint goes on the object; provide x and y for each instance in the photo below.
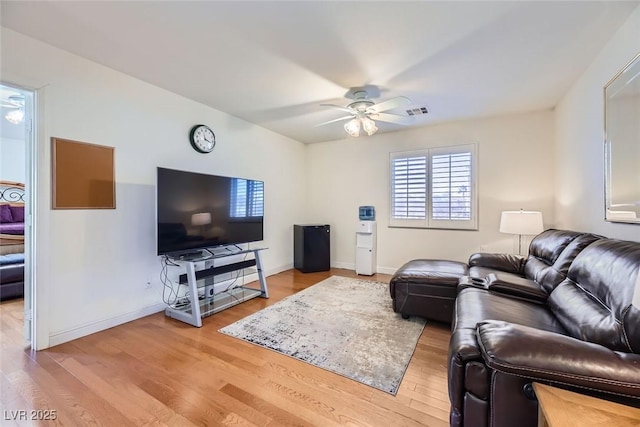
(522, 223)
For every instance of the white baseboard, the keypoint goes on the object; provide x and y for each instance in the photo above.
(351, 266)
(276, 270)
(91, 328)
(345, 265)
(387, 270)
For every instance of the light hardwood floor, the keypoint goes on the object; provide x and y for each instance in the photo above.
(159, 371)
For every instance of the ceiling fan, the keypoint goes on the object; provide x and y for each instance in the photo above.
(363, 112)
(16, 105)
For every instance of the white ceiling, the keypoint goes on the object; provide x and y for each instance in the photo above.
(273, 63)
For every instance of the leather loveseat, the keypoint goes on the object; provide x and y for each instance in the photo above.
(562, 316)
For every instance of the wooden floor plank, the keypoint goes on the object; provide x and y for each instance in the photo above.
(159, 371)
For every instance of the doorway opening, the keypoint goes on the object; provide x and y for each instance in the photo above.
(17, 179)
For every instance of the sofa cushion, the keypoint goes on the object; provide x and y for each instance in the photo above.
(549, 244)
(549, 278)
(531, 353)
(594, 302)
(545, 249)
(477, 305)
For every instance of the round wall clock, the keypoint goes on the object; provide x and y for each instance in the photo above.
(202, 138)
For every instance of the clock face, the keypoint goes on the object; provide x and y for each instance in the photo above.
(202, 138)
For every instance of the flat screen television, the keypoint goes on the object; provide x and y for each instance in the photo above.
(197, 211)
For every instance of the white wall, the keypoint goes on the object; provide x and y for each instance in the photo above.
(12, 159)
(515, 171)
(92, 265)
(579, 202)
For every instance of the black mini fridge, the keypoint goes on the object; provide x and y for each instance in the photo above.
(311, 247)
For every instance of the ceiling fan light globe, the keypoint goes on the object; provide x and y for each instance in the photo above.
(352, 127)
(369, 126)
(15, 116)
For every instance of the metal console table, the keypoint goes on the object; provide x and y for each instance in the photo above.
(193, 312)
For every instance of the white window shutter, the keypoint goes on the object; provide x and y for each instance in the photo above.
(409, 188)
(434, 188)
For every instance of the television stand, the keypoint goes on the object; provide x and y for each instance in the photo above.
(197, 308)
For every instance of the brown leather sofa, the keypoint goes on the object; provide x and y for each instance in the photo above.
(562, 316)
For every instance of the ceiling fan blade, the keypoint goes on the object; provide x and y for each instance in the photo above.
(393, 118)
(398, 101)
(334, 120)
(7, 104)
(337, 107)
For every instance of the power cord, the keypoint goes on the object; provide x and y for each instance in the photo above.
(173, 297)
(233, 285)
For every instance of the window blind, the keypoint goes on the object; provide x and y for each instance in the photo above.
(451, 186)
(409, 182)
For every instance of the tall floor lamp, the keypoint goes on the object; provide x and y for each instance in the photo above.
(522, 223)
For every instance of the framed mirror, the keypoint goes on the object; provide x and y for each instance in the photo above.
(622, 145)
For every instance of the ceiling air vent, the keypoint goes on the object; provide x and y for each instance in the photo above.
(417, 111)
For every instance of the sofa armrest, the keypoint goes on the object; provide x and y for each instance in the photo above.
(510, 285)
(547, 356)
(503, 262)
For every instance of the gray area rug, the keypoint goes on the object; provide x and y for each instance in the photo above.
(343, 325)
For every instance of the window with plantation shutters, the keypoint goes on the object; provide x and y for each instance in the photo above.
(434, 188)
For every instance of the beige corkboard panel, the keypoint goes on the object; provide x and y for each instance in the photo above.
(83, 175)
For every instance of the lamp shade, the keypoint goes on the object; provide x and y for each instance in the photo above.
(353, 127)
(203, 218)
(521, 222)
(369, 126)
